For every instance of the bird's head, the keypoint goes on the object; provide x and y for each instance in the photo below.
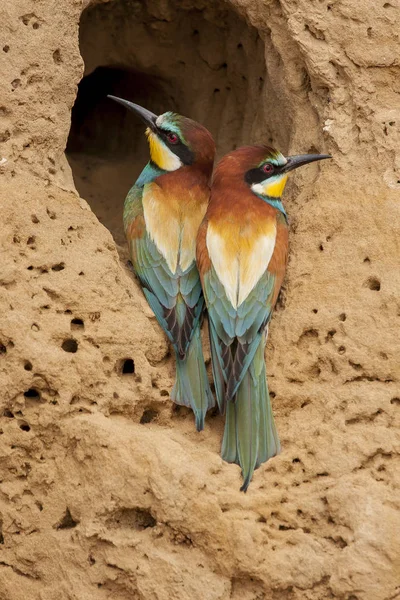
(268, 175)
(263, 169)
(175, 141)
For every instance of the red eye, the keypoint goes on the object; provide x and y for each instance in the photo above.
(268, 168)
(172, 138)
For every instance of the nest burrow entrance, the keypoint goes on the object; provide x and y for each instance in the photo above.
(206, 64)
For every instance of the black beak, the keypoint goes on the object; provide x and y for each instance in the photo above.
(303, 159)
(147, 117)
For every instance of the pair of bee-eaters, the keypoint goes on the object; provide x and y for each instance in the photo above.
(226, 245)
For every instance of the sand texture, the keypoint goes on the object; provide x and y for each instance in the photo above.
(107, 492)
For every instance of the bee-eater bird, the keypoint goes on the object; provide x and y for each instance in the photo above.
(242, 247)
(162, 214)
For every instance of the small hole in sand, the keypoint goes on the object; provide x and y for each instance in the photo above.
(58, 267)
(24, 427)
(128, 366)
(355, 366)
(67, 522)
(70, 345)
(77, 324)
(148, 416)
(28, 365)
(57, 56)
(32, 393)
(373, 284)
(261, 519)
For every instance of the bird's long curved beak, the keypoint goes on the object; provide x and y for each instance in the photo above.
(302, 159)
(147, 116)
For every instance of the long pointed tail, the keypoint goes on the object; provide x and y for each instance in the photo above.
(250, 436)
(191, 386)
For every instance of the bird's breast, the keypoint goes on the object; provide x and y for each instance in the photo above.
(240, 251)
(172, 218)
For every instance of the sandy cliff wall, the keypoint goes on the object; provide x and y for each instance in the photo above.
(106, 491)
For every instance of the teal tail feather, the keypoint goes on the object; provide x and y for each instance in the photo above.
(250, 435)
(191, 386)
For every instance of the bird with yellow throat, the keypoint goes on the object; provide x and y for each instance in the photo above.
(162, 214)
(242, 248)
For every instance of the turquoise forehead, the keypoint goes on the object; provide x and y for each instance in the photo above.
(275, 158)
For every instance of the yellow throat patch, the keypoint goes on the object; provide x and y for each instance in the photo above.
(160, 154)
(271, 187)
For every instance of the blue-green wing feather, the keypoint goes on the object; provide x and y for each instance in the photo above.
(237, 339)
(236, 333)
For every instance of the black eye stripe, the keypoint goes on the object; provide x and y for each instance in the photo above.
(178, 148)
(258, 175)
